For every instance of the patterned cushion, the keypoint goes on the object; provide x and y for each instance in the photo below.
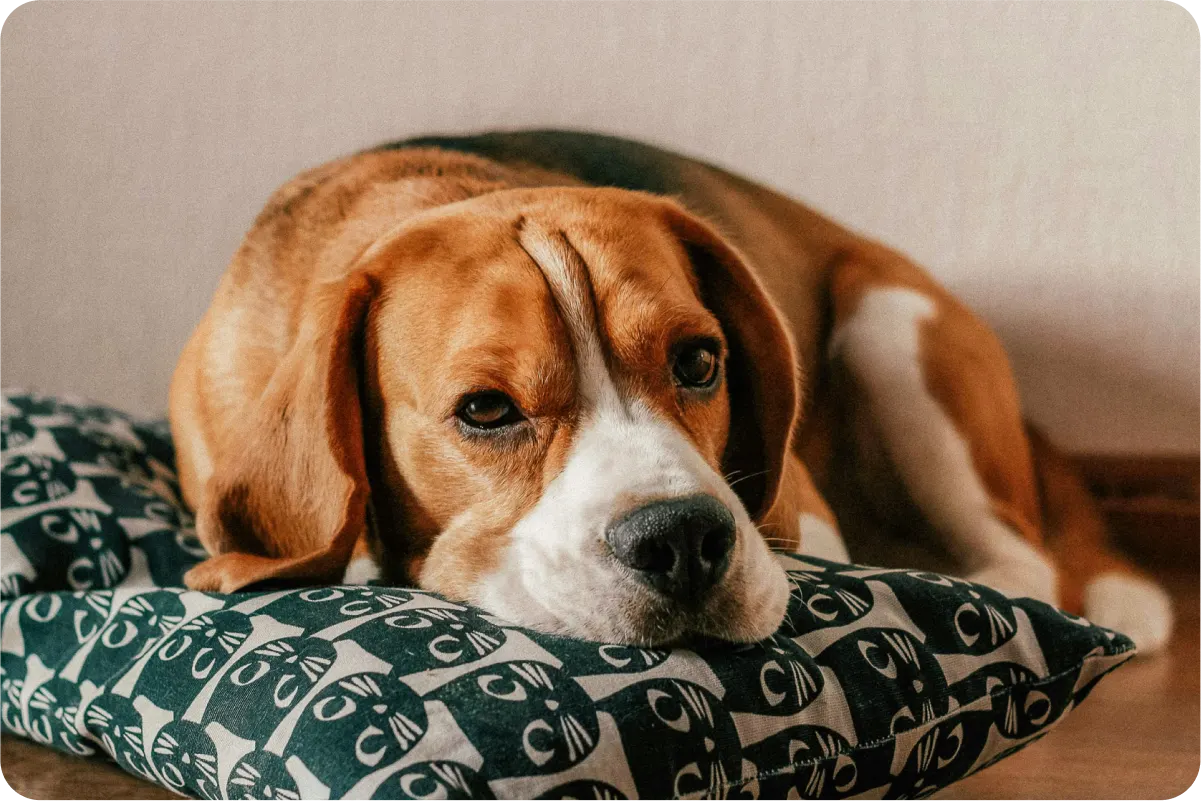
(881, 683)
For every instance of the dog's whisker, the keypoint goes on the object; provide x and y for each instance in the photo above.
(780, 543)
(752, 475)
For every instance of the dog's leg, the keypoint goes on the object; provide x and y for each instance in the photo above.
(1102, 583)
(933, 388)
(801, 520)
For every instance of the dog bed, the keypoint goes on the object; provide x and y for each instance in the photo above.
(881, 683)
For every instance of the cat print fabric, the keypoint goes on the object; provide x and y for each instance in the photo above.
(881, 683)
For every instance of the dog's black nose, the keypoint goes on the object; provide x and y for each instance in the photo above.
(681, 546)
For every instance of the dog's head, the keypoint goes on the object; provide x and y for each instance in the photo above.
(569, 406)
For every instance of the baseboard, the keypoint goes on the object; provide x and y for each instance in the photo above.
(1152, 503)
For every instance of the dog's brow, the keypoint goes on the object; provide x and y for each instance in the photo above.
(570, 284)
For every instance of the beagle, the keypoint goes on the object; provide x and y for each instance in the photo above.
(589, 385)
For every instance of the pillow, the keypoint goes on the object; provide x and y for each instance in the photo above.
(880, 683)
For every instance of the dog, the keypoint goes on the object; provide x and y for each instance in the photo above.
(589, 385)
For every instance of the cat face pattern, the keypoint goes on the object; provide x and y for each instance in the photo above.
(885, 683)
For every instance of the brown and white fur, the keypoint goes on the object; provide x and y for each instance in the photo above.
(314, 408)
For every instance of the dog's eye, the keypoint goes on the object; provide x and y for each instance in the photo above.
(696, 366)
(487, 410)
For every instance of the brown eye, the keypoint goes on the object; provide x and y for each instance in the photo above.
(488, 410)
(696, 366)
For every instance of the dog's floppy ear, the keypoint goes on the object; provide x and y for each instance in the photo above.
(762, 372)
(289, 502)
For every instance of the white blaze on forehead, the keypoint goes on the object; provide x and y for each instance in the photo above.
(623, 448)
(571, 286)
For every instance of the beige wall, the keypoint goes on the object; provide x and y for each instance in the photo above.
(1041, 159)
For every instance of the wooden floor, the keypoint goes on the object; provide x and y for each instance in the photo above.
(1137, 736)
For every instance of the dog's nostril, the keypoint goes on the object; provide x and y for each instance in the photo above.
(716, 544)
(680, 546)
(653, 556)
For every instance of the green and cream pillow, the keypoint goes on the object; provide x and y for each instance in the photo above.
(881, 683)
